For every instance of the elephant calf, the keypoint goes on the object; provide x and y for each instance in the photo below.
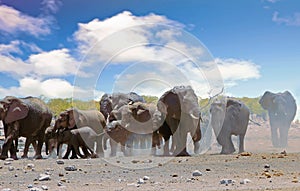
(84, 137)
(229, 119)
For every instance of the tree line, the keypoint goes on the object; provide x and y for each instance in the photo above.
(58, 105)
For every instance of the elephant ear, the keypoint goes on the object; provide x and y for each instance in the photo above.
(266, 101)
(17, 110)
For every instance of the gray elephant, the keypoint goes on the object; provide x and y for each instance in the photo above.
(24, 117)
(181, 115)
(282, 110)
(229, 118)
(73, 117)
(84, 137)
(115, 101)
(137, 120)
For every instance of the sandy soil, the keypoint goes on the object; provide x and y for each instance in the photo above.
(168, 173)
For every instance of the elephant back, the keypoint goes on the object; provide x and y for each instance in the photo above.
(91, 118)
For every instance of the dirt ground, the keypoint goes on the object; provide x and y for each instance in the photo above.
(262, 168)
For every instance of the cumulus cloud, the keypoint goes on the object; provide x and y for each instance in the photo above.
(290, 21)
(12, 21)
(54, 63)
(50, 88)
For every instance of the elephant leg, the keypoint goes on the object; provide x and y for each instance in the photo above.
(77, 151)
(99, 147)
(86, 151)
(74, 153)
(241, 143)
(8, 146)
(38, 153)
(26, 147)
(180, 139)
(69, 149)
(228, 147)
(274, 136)
(283, 131)
(113, 148)
(155, 142)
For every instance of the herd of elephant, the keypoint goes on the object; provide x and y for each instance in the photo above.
(124, 118)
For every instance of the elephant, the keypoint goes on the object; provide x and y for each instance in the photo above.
(27, 117)
(74, 117)
(181, 115)
(282, 109)
(229, 118)
(135, 120)
(84, 137)
(108, 103)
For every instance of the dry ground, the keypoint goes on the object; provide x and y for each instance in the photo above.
(168, 173)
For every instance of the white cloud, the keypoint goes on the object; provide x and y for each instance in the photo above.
(290, 21)
(12, 21)
(50, 88)
(51, 6)
(54, 63)
(234, 69)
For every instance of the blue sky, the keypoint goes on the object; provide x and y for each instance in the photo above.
(48, 47)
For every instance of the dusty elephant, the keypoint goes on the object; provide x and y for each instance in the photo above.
(138, 120)
(282, 110)
(227, 119)
(80, 118)
(84, 137)
(24, 117)
(181, 114)
(115, 101)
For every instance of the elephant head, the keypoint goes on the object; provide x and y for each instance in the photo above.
(13, 109)
(280, 104)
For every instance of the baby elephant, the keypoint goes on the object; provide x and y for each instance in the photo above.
(84, 137)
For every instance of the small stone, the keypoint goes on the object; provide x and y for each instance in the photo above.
(44, 177)
(30, 186)
(11, 168)
(1, 167)
(197, 173)
(35, 189)
(59, 184)
(9, 159)
(295, 180)
(125, 171)
(7, 163)
(159, 164)
(227, 181)
(208, 169)
(70, 168)
(16, 175)
(30, 166)
(60, 162)
(174, 175)
(45, 187)
(146, 178)
(246, 154)
(135, 161)
(267, 166)
(263, 157)
(141, 181)
(245, 181)
(267, 174)
(60, 174)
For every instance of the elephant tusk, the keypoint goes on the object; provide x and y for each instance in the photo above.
(193, 116)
